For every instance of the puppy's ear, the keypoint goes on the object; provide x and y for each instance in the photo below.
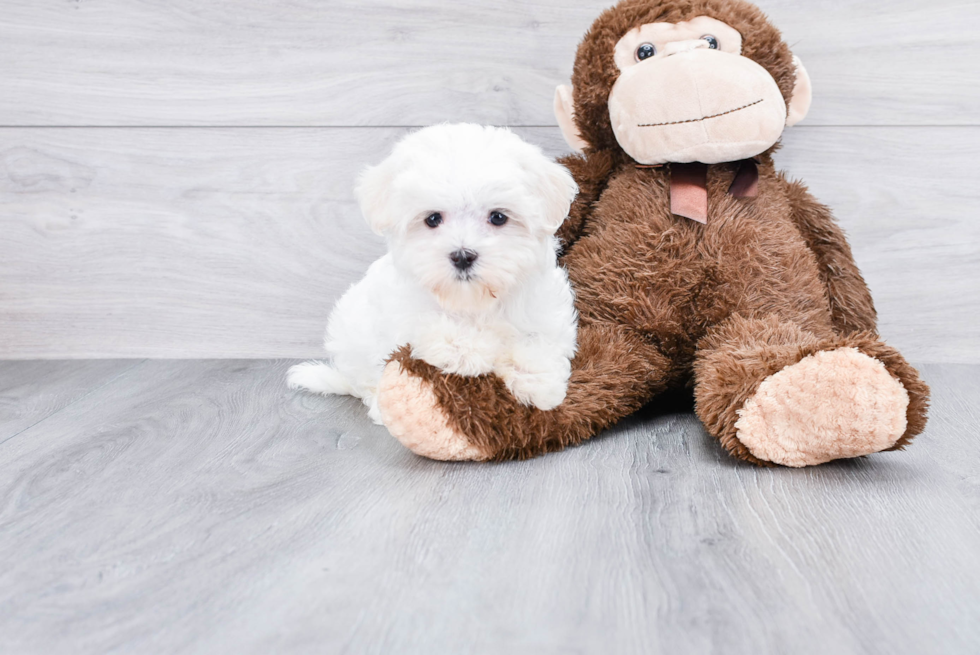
(373, 193)
(557, 190)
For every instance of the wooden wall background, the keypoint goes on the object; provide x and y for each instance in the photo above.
(175, 175)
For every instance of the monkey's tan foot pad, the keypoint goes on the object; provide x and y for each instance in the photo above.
(830, 405)
(411, 413)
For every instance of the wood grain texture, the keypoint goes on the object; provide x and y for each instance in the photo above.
(175, 241)
(388, 62)
(32, 391)
(200, 507)
(237, 242)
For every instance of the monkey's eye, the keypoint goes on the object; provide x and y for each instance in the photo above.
(433, 220)
(645, 51)
(712, 41)
(497, 218)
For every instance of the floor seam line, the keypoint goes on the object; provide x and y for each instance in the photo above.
(77, 400)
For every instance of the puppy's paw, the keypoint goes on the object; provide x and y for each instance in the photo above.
(541, 391)
(455, 348)
(374, 412)
(541, 383)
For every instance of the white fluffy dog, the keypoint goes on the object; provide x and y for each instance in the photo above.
(471, 279)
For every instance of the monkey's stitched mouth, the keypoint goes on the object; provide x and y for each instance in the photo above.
(704, 118)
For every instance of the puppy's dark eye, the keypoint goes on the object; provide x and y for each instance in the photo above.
(497, 218)
(645, 51)
(433, 220)
(712, 41)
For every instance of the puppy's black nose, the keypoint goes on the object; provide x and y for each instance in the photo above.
(463, 258)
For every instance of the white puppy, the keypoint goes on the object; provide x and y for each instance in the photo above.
(471, 279)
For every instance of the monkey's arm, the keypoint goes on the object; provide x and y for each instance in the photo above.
(850, 300)
(591, 173)
(442, 416)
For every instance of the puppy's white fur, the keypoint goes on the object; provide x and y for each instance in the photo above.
(511, 313)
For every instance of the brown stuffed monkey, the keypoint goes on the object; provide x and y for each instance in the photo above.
(694, 262)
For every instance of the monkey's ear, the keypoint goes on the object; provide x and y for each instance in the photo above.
(799, 104)
(565, 114)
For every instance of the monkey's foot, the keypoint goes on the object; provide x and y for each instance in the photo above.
(410, 411)
(830, 405)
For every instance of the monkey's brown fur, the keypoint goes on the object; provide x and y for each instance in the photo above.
(665, 301)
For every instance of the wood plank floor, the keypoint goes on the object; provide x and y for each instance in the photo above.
(200, 507)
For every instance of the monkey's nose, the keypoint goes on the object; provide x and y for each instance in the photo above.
(676, 47)
(463, 258)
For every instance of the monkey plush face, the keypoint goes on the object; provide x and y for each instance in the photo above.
(685, 93)
(701, 88)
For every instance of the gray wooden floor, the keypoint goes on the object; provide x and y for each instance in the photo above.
(199, 506)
